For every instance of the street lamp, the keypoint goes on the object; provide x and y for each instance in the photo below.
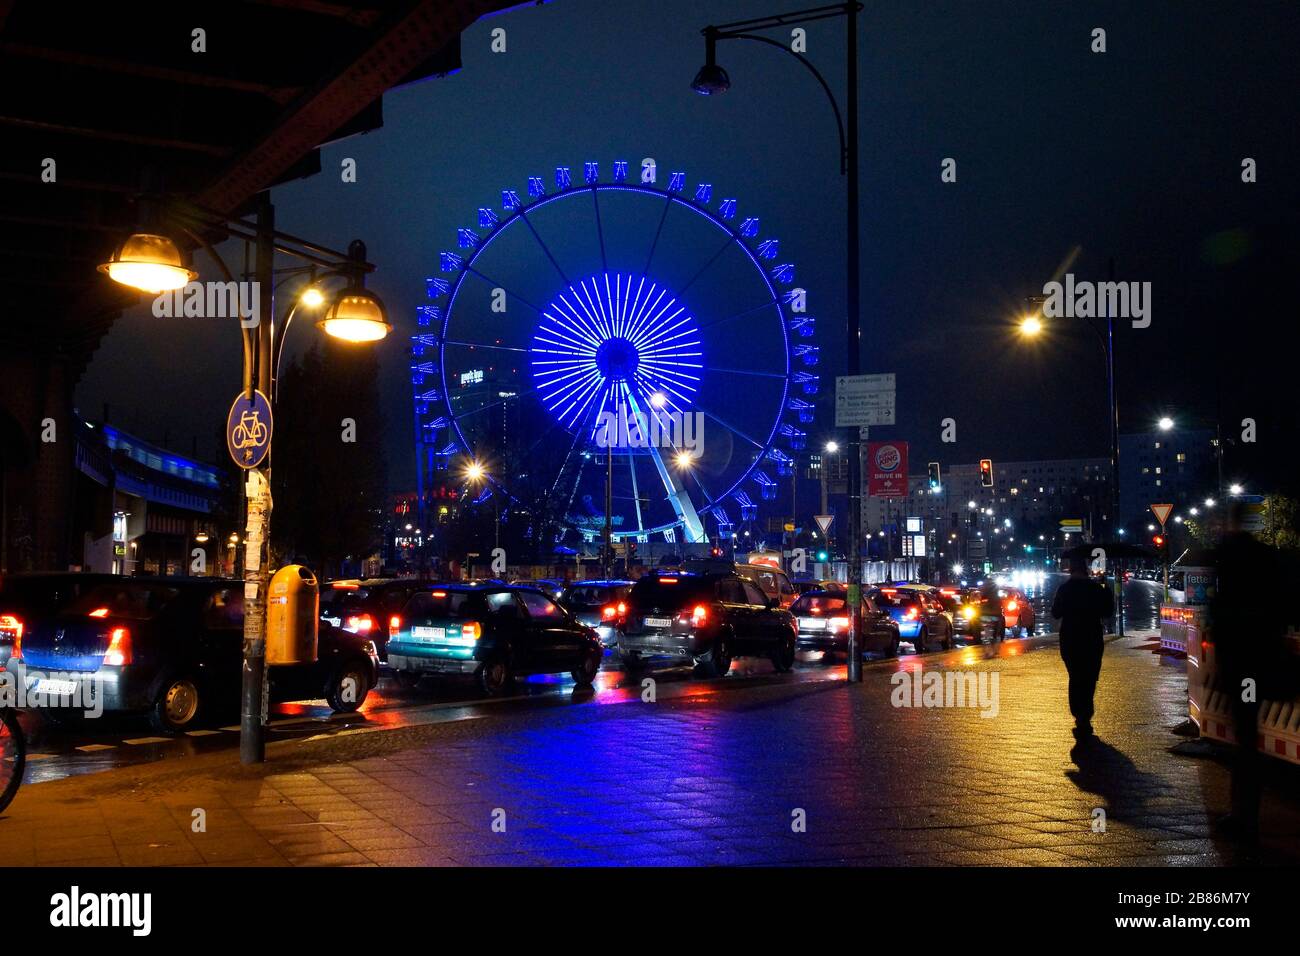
(1031, 325)
(151, 261)
(1165, 423)
(1235, 489)
(713, 79)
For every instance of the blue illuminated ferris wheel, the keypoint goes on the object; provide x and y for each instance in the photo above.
(621, 334)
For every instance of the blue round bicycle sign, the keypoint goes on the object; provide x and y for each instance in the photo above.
(248, 429)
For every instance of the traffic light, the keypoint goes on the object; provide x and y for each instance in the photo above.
(986, 472)
(715, 551)
(1158, 540)
(631, 549)
(933, 470)
(823, 555)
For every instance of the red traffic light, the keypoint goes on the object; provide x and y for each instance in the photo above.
(986, 472)
(1158, 540)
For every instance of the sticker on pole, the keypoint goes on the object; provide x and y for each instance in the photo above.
(248, 430)
(1162, 513)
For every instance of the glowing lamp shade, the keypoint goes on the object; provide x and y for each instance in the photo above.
(711, 80)
(149, 263)
(356, 316)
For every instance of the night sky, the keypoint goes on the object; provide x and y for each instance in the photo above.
(1134, 154)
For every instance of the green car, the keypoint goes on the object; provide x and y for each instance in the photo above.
(493, 632)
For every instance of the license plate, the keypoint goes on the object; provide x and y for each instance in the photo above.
(333, 621)
(54, 687)
(659, 622)
(429, 633)
(813, 623)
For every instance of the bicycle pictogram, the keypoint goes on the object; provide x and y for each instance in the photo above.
(251, 432)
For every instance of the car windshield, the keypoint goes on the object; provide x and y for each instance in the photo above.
(816, 604)
(139, 601)
(337, 600)
(670, 591)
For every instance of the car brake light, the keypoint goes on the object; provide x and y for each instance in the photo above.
(359, 624)
(341, 586)
(439, 593)
(839, 623)
(912, 614)
(471, 629)
(12, 626)
(608, 612)
(98, 612)
(1012, 605)
(119, 647)
(699, 614)
(667, 580)
(394, 623)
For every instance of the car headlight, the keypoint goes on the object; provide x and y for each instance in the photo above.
(968, 612)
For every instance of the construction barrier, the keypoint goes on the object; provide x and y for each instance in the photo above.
(1207, 701)
(1181, 624)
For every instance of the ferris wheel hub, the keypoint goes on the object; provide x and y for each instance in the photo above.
(617, 359)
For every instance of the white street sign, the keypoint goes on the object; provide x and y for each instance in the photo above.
(823, 521)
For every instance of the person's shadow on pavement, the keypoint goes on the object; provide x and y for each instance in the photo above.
(1111, 775)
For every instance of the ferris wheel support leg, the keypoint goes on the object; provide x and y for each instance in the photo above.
(678, 497)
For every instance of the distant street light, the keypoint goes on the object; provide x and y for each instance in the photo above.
(1165, 423)
(1031, 325)
(1235, 489)
(832, 447)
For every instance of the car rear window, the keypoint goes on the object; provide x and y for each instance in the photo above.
(894, 599)
(139, 601)
(819, 604)
(443, 604)
(670, 591)
(593, 595)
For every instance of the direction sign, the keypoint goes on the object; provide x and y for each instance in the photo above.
(1162, 512)
(1071, 524)
(248, 429)
(864, 400)
(823, 522)
(1252, 518)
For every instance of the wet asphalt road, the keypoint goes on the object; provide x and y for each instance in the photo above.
(111, 742)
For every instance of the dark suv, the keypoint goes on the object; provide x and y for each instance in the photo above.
(708, 619)
(367, 607)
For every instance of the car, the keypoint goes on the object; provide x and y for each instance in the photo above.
(26, 598)
(823, 621)
(597, 604)
(919, 616)
(773, 582)
(551, 587)
(496, 633)
(367, 606)
(173, 648)
(707, 619)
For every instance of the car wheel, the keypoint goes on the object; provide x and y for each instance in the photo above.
(921, 640)
(783, 656)
(894, 641)
(348, 687)
(631, 662)
(719, 662)
(584, 675)
(176, 707)
(495, 677)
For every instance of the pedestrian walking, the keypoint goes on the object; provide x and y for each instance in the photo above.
(1081, 605)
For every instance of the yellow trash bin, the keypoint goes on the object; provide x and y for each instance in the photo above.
(292, 616)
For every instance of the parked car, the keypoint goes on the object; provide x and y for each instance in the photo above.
(823, 620)
(494, 632)
(367, 607)
(599, 605)
(708, 619)
(919, 616)
(26, 598)
(173, 647)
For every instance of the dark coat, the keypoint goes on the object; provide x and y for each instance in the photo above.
(1081, 605)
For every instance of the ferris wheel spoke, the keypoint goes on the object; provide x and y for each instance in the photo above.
(740, 315)
(600, 229)
(705, 268)
(545, 248)
(485, 345)
(745, 371)
(668, 204)
(497, 285)
(732, 428)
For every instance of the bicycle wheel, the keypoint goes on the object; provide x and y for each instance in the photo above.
(13, 756)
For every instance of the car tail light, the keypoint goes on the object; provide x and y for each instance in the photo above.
(11, 626)
(359, 624)
(608, 612)
(1012, 605)
(394, 624)
(912, 614)
(98, 612)
(471, 629)
(839, 623)
(699, 614)
(119, 647)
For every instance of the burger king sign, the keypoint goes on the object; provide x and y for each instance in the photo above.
(887, 469)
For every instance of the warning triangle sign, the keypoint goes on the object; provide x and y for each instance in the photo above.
(823, 521)
(1162, 513)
